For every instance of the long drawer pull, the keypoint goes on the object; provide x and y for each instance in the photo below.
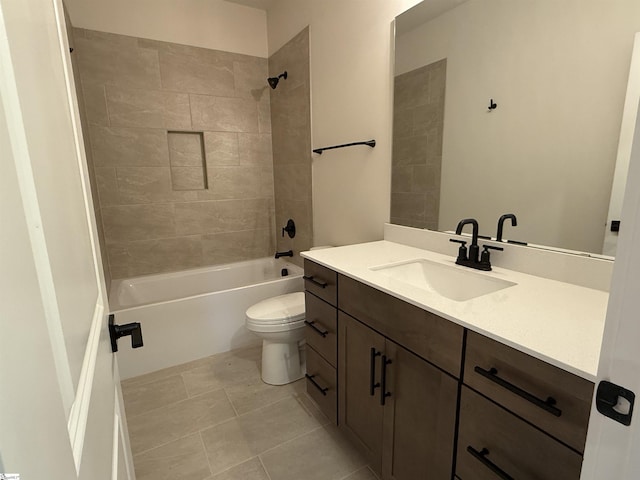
(482, 457)
(372, 372)
(546, 405)
(319, 283)
(322, 333)
(383, 392)
(323, 391)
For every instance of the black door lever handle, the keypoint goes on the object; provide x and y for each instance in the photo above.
(130, 329)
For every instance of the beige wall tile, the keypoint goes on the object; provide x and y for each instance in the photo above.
(251, 78)
(408, 205)
(188, 178)
(221, 148)
(249, 470)
(169, 423)
(323, 454)
(164, 255)
(138, 222)
(223, 216)
(206, 75)
(147, 108)
(184, 458)
(114, 146)
(107, 184)
(108, 59)
(236, 246)
(186, 149)
(143, 183)
(244, 437)
(264, 115)
(224, 114)
(238, 182)
(139, 399)
(95, 104)
(292, 181)
(255, 149)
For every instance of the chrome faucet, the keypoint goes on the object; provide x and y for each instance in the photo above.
(470, 259)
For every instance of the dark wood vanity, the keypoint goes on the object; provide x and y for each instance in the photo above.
(424, 398)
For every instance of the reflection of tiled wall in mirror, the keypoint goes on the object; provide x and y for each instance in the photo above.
(418, 119)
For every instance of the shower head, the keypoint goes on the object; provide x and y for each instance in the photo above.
(273, 81)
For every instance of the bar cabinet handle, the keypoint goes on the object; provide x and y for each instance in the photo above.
(323, 391)
(319, 283)
(372, 372)
(383, 391)
(546, 405)
(482, 457)
(322, 333)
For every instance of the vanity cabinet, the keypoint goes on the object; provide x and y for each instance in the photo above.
(530, 421)
(424, 398)
(397, 406)
(321, 329)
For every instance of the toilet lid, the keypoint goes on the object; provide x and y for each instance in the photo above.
(282, 309)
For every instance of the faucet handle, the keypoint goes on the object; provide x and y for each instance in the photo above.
(462, 251)
(485, 257)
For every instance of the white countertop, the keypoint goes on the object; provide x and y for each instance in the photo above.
(557, 322)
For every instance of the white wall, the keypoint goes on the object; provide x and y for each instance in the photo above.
(214, 24)
(558, 71)
(351, 100)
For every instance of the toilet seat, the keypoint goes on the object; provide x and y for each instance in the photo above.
(283, 312)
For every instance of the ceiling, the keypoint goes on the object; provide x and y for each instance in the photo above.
(259, 4)
(422, 13)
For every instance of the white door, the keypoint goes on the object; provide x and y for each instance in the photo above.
(60, 403)
(613, 450)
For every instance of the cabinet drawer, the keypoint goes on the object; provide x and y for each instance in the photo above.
(425, 334)
(321, 281)
(490, 438)
(556, 401)
(322, 384)
(321, 327)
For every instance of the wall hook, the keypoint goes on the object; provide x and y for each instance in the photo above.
(492, 105)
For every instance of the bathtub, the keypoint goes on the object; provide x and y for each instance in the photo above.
(195, 313)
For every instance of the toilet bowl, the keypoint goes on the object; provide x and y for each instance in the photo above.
(279, 321)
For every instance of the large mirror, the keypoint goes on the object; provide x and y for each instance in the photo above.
(504, 106)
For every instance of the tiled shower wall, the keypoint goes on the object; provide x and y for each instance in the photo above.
(418, 121)
(291, 124)
(171, 200)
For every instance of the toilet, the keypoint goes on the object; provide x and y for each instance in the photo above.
(279, 321)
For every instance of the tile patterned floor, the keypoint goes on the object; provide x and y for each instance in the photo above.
(214, 419)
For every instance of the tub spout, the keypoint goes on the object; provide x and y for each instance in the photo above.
(288, 253)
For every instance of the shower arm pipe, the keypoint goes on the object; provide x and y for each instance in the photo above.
(369, 143)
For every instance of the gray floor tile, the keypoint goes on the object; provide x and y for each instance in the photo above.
(249, 470)
(184, 458)
(254, 394)
(241, 438)
(169, 423)
(223, 370)
(139, 399)
(363, 474)
(322, 454)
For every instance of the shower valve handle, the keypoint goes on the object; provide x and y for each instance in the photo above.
(290, 228)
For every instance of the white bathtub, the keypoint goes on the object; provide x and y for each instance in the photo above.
(194, 313)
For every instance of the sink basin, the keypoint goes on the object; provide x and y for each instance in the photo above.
(452, 282)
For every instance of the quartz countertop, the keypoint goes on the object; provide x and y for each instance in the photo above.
(559, 323)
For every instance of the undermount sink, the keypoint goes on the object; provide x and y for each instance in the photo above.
(453, 282)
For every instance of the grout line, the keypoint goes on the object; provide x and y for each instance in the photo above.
(292, 439)
(204, 447)
(163, 444)
(264, 468)
(230, 402)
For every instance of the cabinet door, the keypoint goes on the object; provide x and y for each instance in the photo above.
(360, 413)
(419, 418)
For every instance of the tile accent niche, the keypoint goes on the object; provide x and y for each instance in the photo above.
(180, 141)
(291, 123)
(418, 122)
